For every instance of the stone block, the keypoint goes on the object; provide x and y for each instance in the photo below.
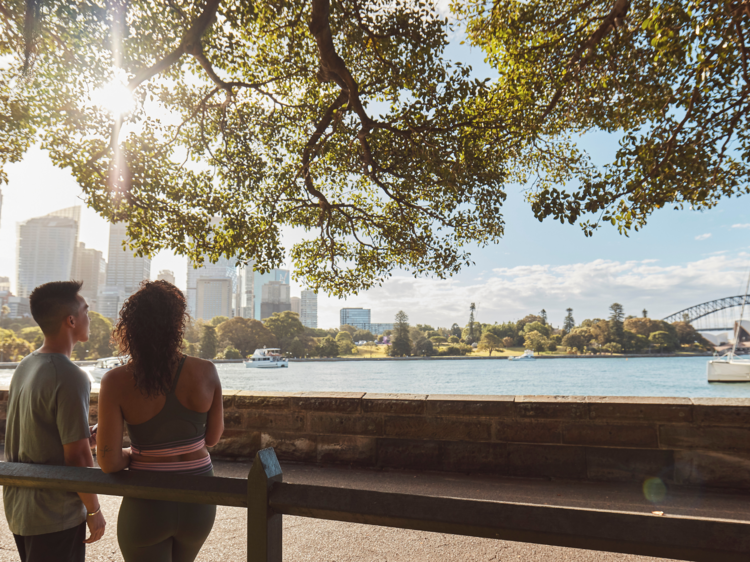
(393, 403)
(625, 465)
(347, 449)
(710, 438)
(550, 461)
(640, 408)
(719, 411)
(259, 400)
(346, 424)
(291, 446)
(344, 402)
(462, 456)
(273, 420)
(527, 431)
(93, 414)
(93, 397)
(237, 444)
(232, 419)
(408, 454)
(470, 405)
(552, 407)
(228, 398)
(710, 468)
(611, 435)
(444, 429)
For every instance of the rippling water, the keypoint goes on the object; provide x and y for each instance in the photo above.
(666, 376)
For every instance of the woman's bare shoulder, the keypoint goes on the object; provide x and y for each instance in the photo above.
(202, 366)
(116, 377)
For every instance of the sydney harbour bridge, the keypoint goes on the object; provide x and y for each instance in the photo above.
(719, 314)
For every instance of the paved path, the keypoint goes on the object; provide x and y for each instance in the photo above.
(311, 540)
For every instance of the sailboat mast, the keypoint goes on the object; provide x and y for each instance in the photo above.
(742, 313)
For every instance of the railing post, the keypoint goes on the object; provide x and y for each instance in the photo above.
(263, 526)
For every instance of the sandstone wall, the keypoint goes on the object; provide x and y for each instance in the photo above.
(698, 441)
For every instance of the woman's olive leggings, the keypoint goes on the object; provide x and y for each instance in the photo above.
(161, 531)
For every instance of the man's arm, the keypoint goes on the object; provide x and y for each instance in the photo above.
(78, 453)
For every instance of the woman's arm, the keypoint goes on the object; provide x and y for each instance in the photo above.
(215, 422)
(109, 451)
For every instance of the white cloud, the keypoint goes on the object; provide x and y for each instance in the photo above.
(746, 225)
(589, 288)
(703, 236)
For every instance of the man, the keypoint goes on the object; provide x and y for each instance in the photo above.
(47, 423)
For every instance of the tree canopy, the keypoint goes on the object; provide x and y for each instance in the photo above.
(341, 120)
(346, 123)
(671, 77)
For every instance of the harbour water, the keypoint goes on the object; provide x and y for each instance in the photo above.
(665, 376)
(636, 376)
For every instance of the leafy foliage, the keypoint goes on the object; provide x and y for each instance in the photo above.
(245, 335)
(401, 342)
(209, 342)
(671, 77)
(339, 119)
(286, 326)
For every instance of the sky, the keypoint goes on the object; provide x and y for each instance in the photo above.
(681, 258)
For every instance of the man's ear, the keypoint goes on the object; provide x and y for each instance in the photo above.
(70, 321)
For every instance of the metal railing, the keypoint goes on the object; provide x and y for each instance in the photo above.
(266, 498)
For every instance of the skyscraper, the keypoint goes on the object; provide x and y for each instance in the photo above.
(91, 268)
(44, 252)
(259, 279)
(274, 298)
(125, 270)
(296, 305)
(224, 269)
(214, 297)
(309, 309)
(357, 317)
(166, 275)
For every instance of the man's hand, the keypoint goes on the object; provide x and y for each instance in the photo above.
(96, 524)
(92, 439)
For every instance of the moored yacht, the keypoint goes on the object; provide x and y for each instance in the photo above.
(729, 368)
(266, 358)
(105, 364)
(528, 355)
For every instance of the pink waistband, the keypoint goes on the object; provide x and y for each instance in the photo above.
(197, 466)
(170, 449)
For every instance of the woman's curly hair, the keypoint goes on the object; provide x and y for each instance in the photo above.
(150, 329)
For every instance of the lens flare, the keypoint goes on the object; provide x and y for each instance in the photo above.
(654, 490)
(115, 97)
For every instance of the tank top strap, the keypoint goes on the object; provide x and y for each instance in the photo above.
(177, 375)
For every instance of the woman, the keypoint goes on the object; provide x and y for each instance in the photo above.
(172, 407)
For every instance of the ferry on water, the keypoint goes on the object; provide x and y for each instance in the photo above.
(267, 358)
(528, 355)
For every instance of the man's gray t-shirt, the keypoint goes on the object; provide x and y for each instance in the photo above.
(48, 407)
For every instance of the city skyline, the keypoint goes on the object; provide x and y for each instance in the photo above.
(668, 265)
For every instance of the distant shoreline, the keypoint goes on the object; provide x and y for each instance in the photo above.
(434, 358)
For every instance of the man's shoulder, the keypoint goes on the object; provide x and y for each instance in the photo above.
(66, 369)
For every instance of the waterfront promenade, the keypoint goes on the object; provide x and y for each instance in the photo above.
(311, 540)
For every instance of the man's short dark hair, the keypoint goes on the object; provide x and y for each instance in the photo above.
(53, 302)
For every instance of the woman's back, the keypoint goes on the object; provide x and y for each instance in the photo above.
(172, 408)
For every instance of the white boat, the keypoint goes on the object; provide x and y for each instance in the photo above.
(105, 364)
(267, 358)
(528, 355)
(729, 368)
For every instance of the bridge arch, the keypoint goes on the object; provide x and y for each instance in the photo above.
(706, 308)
